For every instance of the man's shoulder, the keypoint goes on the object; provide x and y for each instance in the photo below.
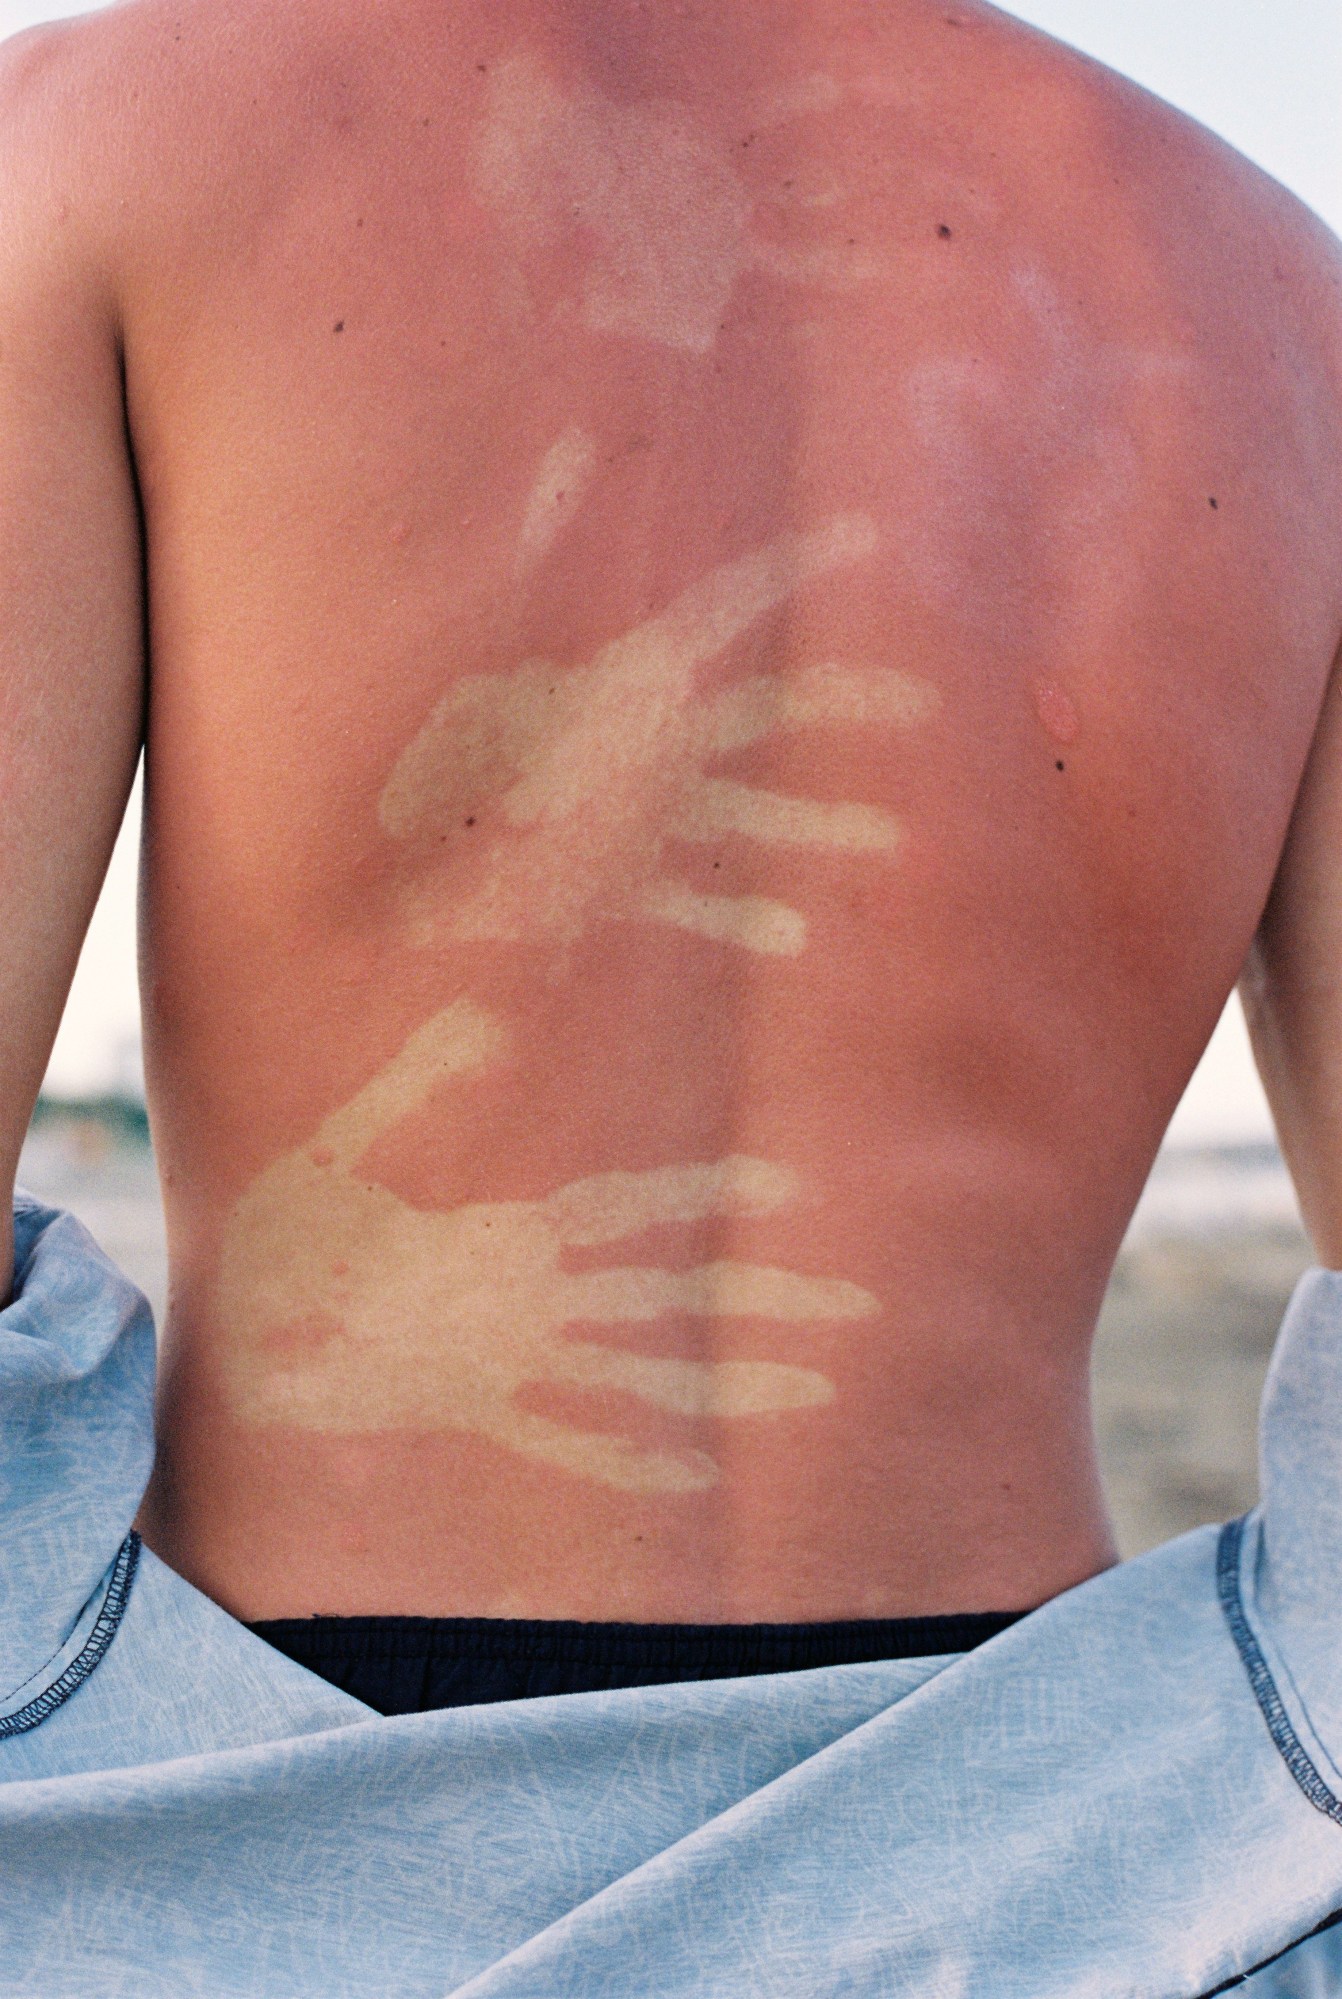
(1171, 216)
(53, 193)
(1186, 190)
(155, 124)
(168, 116)
(158, 73)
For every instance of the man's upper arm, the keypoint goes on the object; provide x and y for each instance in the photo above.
(71, 621)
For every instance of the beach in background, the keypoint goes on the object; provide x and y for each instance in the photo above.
(1210, 1260)
(1197, 1295)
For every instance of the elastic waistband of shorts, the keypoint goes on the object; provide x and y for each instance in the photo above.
(715, 1650)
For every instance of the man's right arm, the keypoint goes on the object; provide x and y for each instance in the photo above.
(71, 652)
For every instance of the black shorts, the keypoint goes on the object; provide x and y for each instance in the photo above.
(404, 1665)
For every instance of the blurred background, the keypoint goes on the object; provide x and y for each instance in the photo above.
(1216, 1244)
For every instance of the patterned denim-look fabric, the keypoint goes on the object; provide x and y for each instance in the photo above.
(76, 1435)
(1130, 1792)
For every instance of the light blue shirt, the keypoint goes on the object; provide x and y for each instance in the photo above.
(1133, 1791)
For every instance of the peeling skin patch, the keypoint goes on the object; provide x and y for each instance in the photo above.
(580, 776)
(666, 217)
(559, 485)
(346, 1310)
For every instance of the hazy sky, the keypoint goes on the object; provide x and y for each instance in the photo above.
(1267, 75)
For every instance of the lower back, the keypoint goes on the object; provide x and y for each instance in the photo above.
(710, 773)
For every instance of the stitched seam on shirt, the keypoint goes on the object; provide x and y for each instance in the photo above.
(104, 1630)
(1243, 1977)
(37, 1671)
(1292, 1750)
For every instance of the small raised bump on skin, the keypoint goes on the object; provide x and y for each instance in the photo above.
(1057, 711)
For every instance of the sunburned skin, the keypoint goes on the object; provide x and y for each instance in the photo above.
(575, 779)
(959, 399)
(345, 1309)
(670, 217)
(739, 598)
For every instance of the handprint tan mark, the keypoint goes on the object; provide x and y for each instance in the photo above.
(668, 218)
(345, 1309)
(558, 486)
(593, 769)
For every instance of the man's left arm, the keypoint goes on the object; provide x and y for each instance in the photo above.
(71, 613)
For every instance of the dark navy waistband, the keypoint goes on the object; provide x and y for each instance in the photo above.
(404, 1665)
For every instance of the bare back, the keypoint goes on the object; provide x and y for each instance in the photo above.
(737, 601)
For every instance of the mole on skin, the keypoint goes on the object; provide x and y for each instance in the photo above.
(671, 217)
(636, 841)
(559, 484)
(588, 772)
(438, 1319)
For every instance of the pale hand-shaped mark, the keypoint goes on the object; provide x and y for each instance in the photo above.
(595, 768)
(346, 1310)
(558, 486)
(668, 217)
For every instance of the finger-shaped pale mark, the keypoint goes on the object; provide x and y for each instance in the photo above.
(608, 1206)
(723, 1288)
(694, 1387)
(611, 1460)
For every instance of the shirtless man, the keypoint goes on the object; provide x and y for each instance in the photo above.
(728, 605)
